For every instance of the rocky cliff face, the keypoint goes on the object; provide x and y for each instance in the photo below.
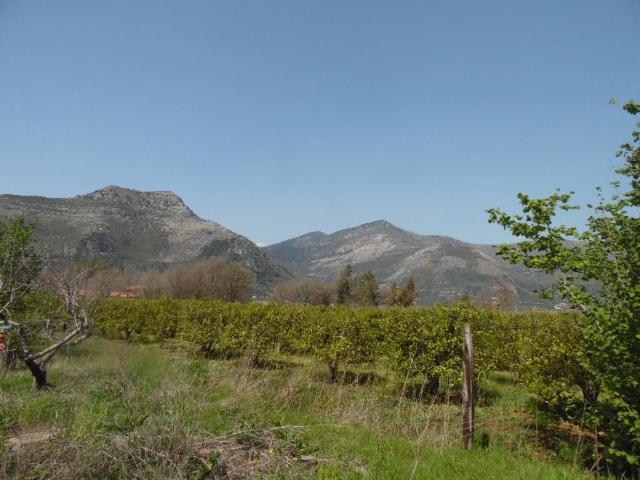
(127, 227)
(445, 269)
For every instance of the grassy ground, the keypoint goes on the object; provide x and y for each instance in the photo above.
(146, 411)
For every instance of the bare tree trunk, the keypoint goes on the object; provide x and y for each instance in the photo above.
(39, 374)
(333, 371)
(37, 363)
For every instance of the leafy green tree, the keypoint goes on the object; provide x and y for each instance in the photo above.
(607, 254)
(343, 286)
(19, 265)
(366, 290)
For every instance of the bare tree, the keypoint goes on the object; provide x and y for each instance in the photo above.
(114, 281)
(306, 292)
(236, 284)
(211, 278)
(323, 293)
(501, 296)
(19, 275)
(66, 325)
(402, 296)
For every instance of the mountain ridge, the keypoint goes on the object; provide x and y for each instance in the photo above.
(445, 269)
(128, 227)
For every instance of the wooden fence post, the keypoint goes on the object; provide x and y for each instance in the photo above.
(468, 395)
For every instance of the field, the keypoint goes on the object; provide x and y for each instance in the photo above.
(158, 410)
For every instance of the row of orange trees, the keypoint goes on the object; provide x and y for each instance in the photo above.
(543, 347)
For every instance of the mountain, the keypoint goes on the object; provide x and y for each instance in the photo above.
(126, 227)
(444, 269)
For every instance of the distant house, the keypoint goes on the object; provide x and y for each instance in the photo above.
(130, 292)
(561, 306)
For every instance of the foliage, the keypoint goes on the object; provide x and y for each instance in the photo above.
(343, 337)
(343, 286)
(19, 264)
(366, 289)
(552, 365)
(417, 343)
(606, 253)
(424, 343)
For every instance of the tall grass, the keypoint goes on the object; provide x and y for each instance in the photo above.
(144, 411)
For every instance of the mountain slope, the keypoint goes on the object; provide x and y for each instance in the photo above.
(127, 227)
(445, 269)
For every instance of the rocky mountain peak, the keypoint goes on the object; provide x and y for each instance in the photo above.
(375, 231)
(378, 223)
(444, 269)
(161, 201)
(115, 192)
(127, 227)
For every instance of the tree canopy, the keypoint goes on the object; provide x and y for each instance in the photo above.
(597, 270)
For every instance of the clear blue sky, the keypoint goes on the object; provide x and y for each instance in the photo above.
(277, 118)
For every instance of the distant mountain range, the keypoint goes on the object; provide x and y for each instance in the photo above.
(444, 269)
(126, 227)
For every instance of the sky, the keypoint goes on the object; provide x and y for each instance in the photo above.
(280, 117)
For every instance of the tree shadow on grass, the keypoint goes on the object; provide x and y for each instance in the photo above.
(429, 392)
(220, 354)
(568, 442)
(359, 378)
(350, 377)
(271, 364)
